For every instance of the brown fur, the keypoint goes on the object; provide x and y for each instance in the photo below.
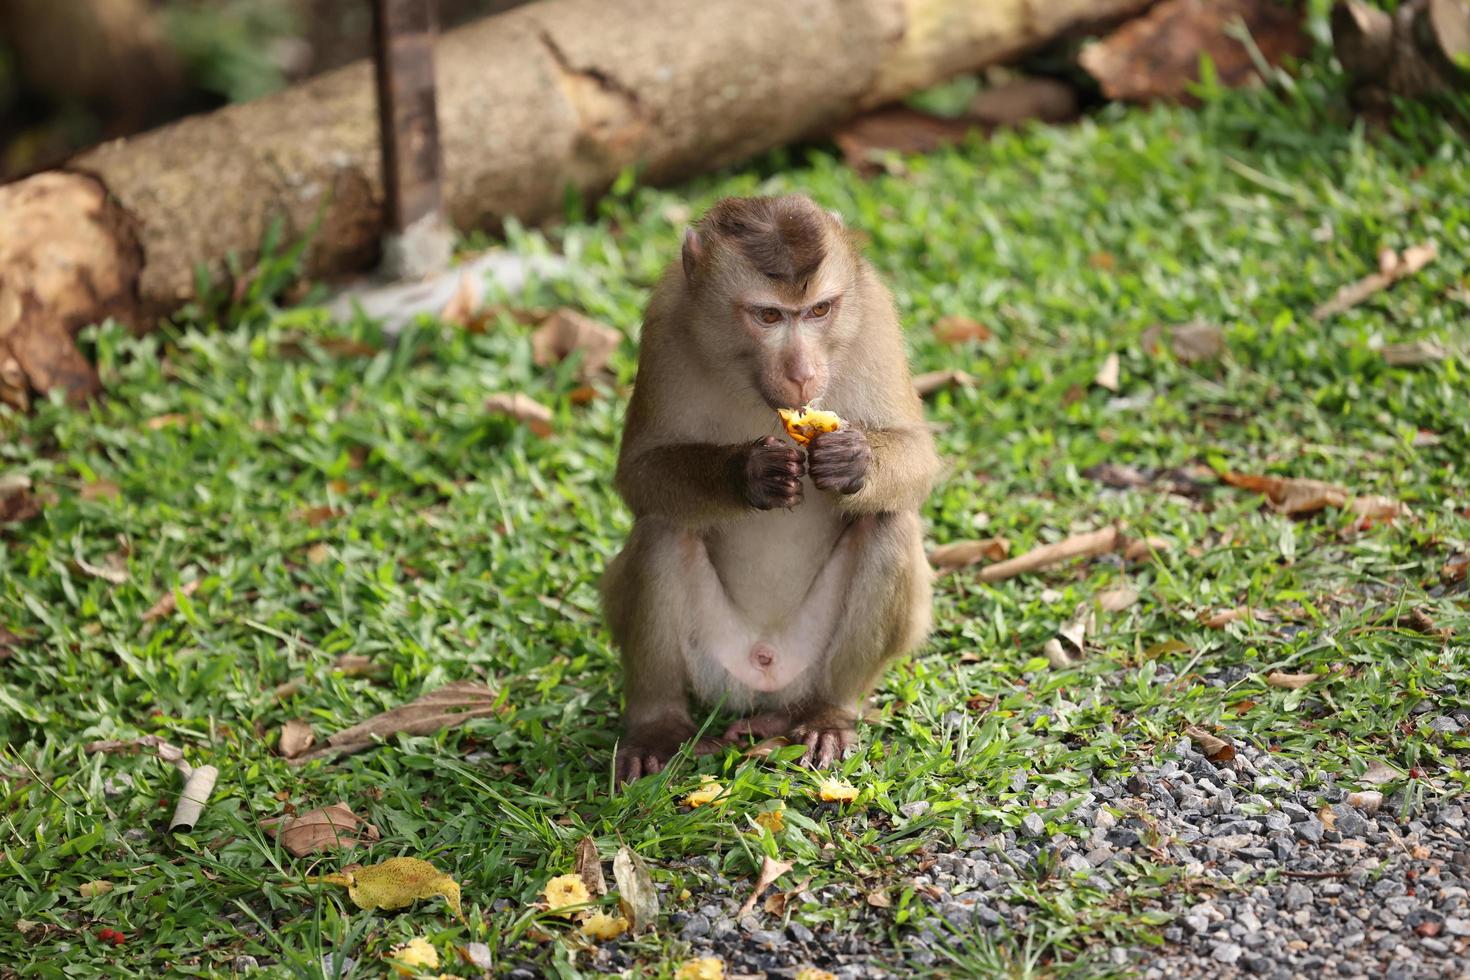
(782, 237)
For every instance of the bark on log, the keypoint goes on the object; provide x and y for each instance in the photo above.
(556, 94)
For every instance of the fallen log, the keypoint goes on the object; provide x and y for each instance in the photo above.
(555, 95)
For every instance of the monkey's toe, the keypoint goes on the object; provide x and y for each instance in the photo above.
(825, 746)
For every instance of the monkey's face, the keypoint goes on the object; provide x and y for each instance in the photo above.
(778, 296)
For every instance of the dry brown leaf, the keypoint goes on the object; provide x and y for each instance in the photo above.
(100, 490)
(1378, 773)
(1141, 549)
(1413, 354)
(112, 746)
(960, 330)
(1292, 682)
(865, 140)
(1157, 56)
(879, 899)
(296, 738)
(327, 828)
(1224, 617)
(636, 893)
(198, 784)
(523, 408)
(771, 869)
(567, 332)
(1290, 495)
(958, 554)
(1328, 816)
(1119, 476)
(1391, 268)
(114, 568)
(1019, 101)
(1197, 341)
(1069, 646)
(91, 889)
(1107, 375)
(765, 747)
(317, 516)
(928, 384)
(1214, 748)
(1455, 569)
(589, 867)
(464, 303)
(1086, 545)
(166, 421)
(443, 707)
(318, 553)
(1376, 507)
(168, 603)
(17, 502)
(1116, 600)
(9, 643)
(1421, 853)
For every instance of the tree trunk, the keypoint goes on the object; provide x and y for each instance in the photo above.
(564, 93)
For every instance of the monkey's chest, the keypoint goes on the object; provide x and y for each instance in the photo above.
(768, 561)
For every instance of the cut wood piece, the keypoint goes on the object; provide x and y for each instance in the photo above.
(554, 95)
(445, 707)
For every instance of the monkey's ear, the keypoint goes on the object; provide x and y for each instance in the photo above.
(693, 252)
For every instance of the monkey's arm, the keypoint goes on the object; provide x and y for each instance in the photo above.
(895, 472)
(699, 484)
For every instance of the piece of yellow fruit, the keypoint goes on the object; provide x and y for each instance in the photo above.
(836, 791)
(804, 423)
(416, 954)
(706, 968)
(601, 926)
(394, 884)
(774, 819)
(564, 891)
(709, 792)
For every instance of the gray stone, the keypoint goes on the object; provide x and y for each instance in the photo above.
(915, 809)
(1033, 825)
(768, 938)
(1456, 926)
(1444, 723)
(1310, 829)
(1226, 953)
(1297, 895)
(244, 963)
(695, 926)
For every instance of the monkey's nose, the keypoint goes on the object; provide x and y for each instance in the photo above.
(802, 375)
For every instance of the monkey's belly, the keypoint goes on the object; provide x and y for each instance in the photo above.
(765, 599)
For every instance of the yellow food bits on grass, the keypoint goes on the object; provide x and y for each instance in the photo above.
(565, 891)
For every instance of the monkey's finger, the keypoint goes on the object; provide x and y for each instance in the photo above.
(630, 768)
(652, 765)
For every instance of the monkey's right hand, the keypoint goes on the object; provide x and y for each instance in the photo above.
(773, 472)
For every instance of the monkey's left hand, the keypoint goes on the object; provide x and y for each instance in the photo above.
(839, 460)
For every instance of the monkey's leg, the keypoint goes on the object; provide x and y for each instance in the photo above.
(644, 597)
(885, 614)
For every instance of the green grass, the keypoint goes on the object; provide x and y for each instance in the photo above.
(461, 546)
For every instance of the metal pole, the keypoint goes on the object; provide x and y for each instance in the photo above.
(417, 240)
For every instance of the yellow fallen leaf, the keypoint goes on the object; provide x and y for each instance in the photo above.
(602, 927)
(91, 889)
(837, 791)
(773, 819)
(416, 954)
(804, 423)
(705, 968)
(565, 891)
(710, 791)
(394, 884)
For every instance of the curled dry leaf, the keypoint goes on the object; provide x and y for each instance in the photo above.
(636, 894)
(1290, 495)
(771, 869)
(198, 784)
(928, 384)
(1197, 341)
(1368, 801)
(878, 899)
(523, 408)
(1375, 507)
(1214, 748)
(960, 330)
(100, 490)
(1139, 549)
(114, 568)
(464, 302)
(394, 884)
(567, 332)
(17, 502)
(443, 707)
(327, 828)
(1455, 569)
(1391, 268)
(1219, 620)
(91, 889)
(958, 554)
(168, 603)
(704, 968)
(589, 867)
(1069, 646)
(1413, 354)
(1107, 375)
(1119, 476)
(1087, 545)
(112, 746)
(296, 738)
(1292, 682)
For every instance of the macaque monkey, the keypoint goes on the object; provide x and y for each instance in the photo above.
(773, 580)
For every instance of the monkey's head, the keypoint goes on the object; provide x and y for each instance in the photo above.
(774, 279)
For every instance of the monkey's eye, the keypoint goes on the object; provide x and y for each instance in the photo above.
(820, 310)
(769, 315)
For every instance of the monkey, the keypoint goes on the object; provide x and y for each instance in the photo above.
(775, 581)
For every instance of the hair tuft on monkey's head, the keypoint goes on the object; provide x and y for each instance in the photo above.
(782, 237)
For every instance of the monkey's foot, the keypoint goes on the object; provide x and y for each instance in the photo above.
(646, 753)
(766, 725)
(827, 739)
